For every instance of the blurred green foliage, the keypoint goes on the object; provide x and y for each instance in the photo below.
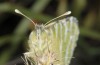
(14, 29)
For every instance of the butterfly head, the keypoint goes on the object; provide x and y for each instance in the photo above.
(39, 27)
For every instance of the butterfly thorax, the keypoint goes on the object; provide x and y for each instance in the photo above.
(41, 42)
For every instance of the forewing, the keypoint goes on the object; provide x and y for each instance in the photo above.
(64, 34)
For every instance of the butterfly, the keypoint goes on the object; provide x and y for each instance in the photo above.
(52, 43)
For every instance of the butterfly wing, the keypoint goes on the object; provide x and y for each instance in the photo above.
(64, 35)
(54, 44)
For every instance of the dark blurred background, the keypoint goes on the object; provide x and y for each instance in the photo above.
(15, 29)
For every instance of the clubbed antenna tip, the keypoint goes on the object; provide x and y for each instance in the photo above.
(67, 13)
(17, 11)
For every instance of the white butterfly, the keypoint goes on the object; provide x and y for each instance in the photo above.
(52, 43)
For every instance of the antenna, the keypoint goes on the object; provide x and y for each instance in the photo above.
(67, 13)
(17, 11)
